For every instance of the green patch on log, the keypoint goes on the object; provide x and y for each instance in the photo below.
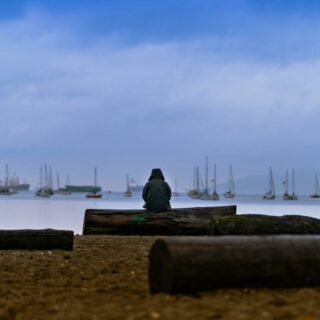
(139, 218)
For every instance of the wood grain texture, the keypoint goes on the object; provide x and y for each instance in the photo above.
(182, 221)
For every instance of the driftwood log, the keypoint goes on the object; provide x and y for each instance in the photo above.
(193, 264)
(255, 224)
(47, 239)
(182, 221)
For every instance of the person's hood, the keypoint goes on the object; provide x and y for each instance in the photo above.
(156, 174)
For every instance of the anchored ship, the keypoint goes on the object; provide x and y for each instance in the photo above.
(81, 188)
(134, 187)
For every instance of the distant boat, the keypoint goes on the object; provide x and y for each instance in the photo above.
(7, 189)
(134, 187)
(59, 190)
(270, 195)
(4, 191)
(175, 192)
(215, 195)
(13, 183)
(21, 186)
(316, 193)
(231, 192)
(128, 192)
(286, 195)
(83, 188)
(195, 192)
(44, 190)
(94, 194)
(205, 194)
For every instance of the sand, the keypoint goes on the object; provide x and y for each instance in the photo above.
(105, 277)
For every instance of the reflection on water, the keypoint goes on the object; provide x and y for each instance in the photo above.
(24, 210)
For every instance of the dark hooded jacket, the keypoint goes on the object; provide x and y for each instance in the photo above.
(156, 192)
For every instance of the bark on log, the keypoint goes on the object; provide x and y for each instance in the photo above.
(193, 264)
(255, 224)
(182, 221)
(47, 239)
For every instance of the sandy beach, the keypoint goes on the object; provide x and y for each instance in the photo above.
(105, 277)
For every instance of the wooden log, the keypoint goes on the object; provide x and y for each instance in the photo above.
(255, 224)
(47, 239)
(193, 264)
(182, 221)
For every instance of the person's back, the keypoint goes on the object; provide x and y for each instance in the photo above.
(157, 192)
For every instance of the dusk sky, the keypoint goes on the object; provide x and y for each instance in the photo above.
(131, 85)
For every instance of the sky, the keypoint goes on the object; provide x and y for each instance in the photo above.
(131, 85)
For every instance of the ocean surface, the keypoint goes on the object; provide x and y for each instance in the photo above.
(25, 210)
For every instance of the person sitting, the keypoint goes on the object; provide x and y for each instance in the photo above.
(157, 192)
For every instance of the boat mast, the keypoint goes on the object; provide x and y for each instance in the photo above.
(272, 182)
(231, 180)
(286, 184)
(197, 179)
(58, 181)
(292, 181)
(128, 185)
(50, 178)
(175, 184)
(95, 177)
(206, 179)
(46, 176)
(7, 176)
(214, 179)
(41, 169)
(317, 185)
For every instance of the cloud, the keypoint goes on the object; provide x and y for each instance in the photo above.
(60, 93)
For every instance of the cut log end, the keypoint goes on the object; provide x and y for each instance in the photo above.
(160, 268)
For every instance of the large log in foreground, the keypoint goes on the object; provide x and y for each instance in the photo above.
(193, 264)
(47, 239)
(182, 221)
(255, 224)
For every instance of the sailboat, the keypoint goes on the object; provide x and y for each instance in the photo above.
(215, 195)
(286, 195)
(316, 193)
(7, 189)
(175, 192)
(45, 191)
(195, 192)
(94, 194)
(205, 194)
(231, 192)
(270, 195)
(128, 192)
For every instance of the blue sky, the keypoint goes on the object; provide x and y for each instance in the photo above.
(131, 85)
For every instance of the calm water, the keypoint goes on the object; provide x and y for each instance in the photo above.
(24, 210)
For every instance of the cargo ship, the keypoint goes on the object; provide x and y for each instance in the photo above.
(134, 187)
(88, 188)
(20, 186)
